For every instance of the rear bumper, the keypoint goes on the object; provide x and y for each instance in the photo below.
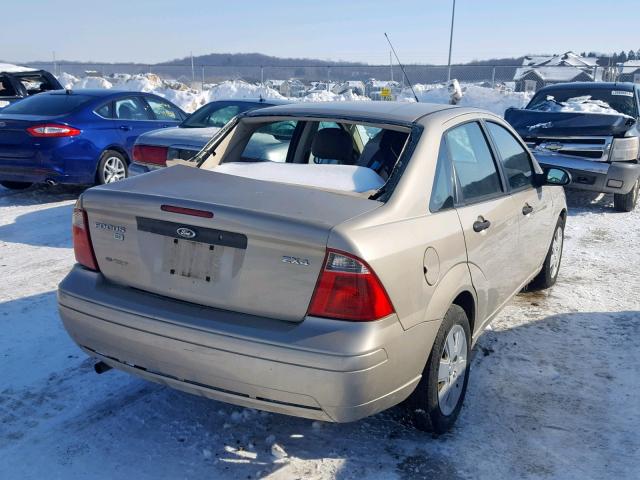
(41, 175)
(321, 369)
(617, 177)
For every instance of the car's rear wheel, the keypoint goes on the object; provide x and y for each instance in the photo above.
(16, 185)
(436, 402)
(626, 203)
(112, 167)
(551, 267)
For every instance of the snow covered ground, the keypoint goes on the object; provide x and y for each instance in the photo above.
(553, 393)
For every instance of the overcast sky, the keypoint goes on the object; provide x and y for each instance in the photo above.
(154, 31)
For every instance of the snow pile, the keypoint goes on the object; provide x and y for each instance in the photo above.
(582, 104)
(496, 100)
(67, 80)
(328, 96)
(92, 82)
(347, 178)
(9, 67)
(239, 89)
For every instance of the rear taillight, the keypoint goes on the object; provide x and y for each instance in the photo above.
(82, 246)
(150, 154)
(53, 130)
(347, 289)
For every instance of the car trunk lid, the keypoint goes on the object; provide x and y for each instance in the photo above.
(245, 245)
(15, 141)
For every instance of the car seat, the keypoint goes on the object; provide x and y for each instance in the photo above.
(333, 145)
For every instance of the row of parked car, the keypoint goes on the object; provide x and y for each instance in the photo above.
(324, 260)
(100, 136)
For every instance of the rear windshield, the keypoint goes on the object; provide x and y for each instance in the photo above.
(328, 154)
(595, 100)
(47, 105)
(217, 114)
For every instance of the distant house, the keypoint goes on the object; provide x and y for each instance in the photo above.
(378, 89)
(356, 86)
(629, 71)
(537, 72)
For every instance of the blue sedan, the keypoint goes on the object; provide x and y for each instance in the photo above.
(77, 137)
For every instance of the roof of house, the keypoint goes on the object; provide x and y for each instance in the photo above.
(566, 59)
(550, 74)
(629, 66)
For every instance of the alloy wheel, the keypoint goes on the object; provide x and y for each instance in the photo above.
(114, 170)
(452, 369)
(556, 252)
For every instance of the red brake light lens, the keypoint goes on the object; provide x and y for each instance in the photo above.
(150, 155)
(348, 289)
(52, 130)
(82, 246)
(186, 211)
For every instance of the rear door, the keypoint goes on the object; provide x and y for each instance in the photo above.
(487, 214)
(536, 217)
(133, 117)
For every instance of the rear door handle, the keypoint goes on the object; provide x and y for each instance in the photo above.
(126, 128)
(481, 224)
(527, 209)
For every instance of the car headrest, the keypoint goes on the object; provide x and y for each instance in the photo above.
(393, 141)
(125, 112)
(334, 144)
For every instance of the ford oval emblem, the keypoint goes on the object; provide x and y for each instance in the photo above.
(186, 232)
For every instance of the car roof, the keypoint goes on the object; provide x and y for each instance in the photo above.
(96, 92)
(628, 86)
(403, 112)
(267, 101)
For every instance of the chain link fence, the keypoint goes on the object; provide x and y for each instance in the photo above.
(298, 80)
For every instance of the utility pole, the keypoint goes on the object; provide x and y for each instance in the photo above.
(391, 64)
(193, 71)
(453, 16)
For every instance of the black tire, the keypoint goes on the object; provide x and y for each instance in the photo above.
(627, 202)
(425, 412)
(15, 185)
(107, 160)
(548, 275)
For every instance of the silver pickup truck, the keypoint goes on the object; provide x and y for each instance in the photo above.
(591, 130)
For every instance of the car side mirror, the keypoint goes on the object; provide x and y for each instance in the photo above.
(556, 176)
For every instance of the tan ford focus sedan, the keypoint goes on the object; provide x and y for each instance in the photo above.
(326, 261)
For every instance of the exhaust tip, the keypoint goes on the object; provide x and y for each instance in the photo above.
(101, 367)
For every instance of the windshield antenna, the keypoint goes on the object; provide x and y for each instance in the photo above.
(402, 68)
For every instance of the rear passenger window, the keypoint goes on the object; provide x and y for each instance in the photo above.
(131, 109)
(442, 193)
(514, 158)
(473, 162)
(105, 111)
